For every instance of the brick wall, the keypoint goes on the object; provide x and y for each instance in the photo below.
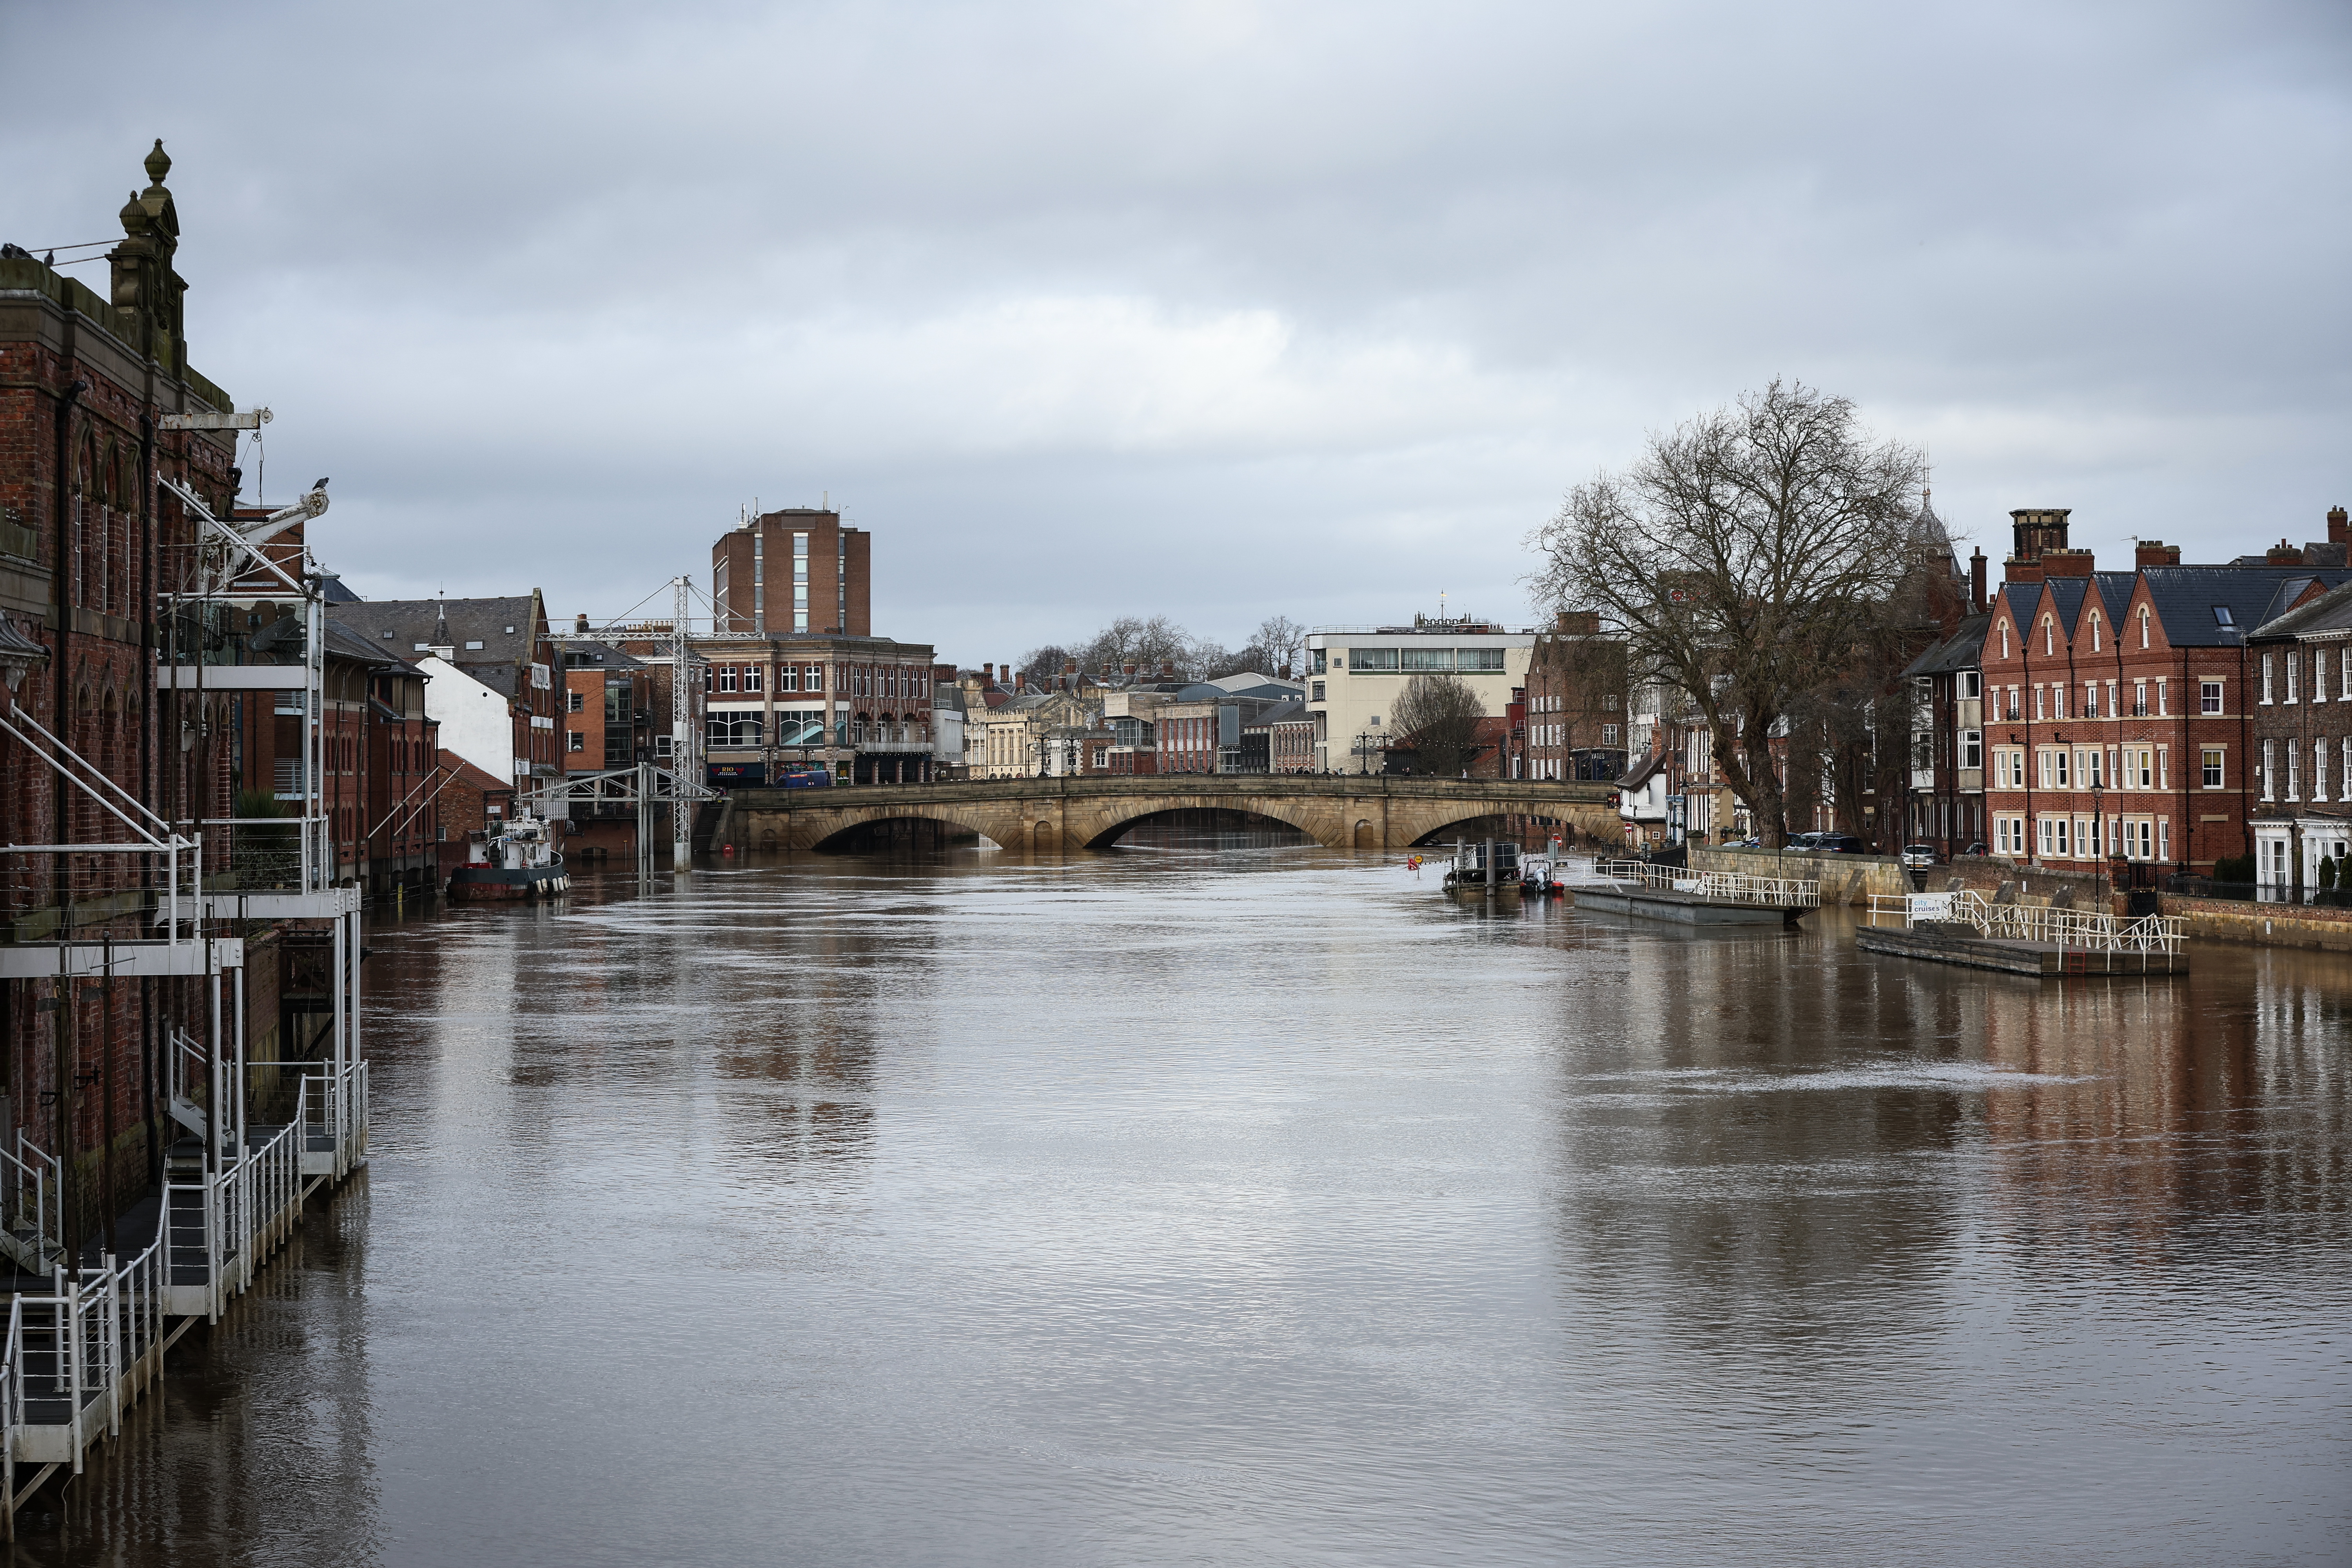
(2264, 925)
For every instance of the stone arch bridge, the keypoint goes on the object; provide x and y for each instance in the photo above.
(1056, 815)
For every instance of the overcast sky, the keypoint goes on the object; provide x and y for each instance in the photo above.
(1214, 310)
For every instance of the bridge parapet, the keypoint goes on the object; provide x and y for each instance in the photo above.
(1056, 815)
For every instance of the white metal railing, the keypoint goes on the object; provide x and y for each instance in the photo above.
(77, 1357)
(1722, 886)
(2089, 931)
(32, 1206)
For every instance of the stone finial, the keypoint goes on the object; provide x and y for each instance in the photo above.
(158, 164)
(134, 216)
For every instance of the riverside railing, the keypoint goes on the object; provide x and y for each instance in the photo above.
(1723, 887)
(2089, 931)
(75, 1360)
(32, 1206)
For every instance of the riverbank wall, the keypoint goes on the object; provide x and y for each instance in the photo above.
(1844, 879)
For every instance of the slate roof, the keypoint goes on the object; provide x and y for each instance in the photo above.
(1964, 649)
(418, 624)
(2186, 597)
(1281, 713)
(2331, 612)
(343, 641)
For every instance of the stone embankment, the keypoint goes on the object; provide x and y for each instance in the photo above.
(1851, 879)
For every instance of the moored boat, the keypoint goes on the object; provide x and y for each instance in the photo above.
(516, 861)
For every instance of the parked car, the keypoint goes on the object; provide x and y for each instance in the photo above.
(1918, 856)
(1826, 843)
(1980, 848)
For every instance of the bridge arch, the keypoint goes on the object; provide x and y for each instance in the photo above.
(1109, 836)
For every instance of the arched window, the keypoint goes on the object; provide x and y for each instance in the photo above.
(2095, 631)
(2004, 639)
(2142, 626)
(2049, 637)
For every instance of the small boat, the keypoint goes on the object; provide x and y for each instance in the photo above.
(516, 861)
(1487, 869)
(1540, 874)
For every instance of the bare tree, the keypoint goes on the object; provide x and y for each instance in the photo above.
(1438, 716)
(1283, 641)
(1742, 555)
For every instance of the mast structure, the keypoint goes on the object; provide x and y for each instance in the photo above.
(682, 728)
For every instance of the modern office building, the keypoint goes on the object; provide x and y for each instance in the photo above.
(1355, 674)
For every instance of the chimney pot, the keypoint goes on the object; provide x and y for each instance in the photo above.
(580, 623)
(2155, 552)
(2284, 554)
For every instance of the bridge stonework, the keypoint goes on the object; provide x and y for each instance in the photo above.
(1054, 817)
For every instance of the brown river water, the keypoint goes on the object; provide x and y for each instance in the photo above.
(1221, 1202)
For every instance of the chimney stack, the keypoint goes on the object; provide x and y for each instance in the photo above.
(1977, 583)
(2339, 526)
(2155, 552)
(2283, 554)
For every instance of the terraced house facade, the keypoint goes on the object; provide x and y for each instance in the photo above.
(2118, 707)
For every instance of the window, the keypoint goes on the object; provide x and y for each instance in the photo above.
(573, 740)
(2163, 705)
(726, 677)
(2212, 767)
(2140, 699)
(2319, 770)
(1426, 659)
(574, 701)
(2037, 702)
(2294, 665)
(2266, 677)
(2090, 700)
(811, 678)
(2269, 768)
(1971, 685)
(2318, 676)
(2208, 696)
(2142, 626)
(1609, 735)
(1371, 658)
(661, 745)
(1315, 657)
(2221, 615)
(2004, 639)
(2049, 637)
(2343, 772)
(1972, 748)
(1315, 692)
(752, 678)
(1488, 659)
(2090, 768)
(2294, 771)
(2015, 706)
(2095, 631)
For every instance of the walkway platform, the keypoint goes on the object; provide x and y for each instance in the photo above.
(1684, 909)
(1969, 949)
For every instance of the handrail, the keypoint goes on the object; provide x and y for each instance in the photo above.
(2090, 930)
(1722, 886)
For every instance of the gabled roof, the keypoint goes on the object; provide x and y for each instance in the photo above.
(454, 623)
(1643, 771)
(601, 654)
(2186, 597)
(2331, 612)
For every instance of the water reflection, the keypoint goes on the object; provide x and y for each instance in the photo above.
(1223, 1199)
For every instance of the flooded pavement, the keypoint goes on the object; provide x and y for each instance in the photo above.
(1264, 1207)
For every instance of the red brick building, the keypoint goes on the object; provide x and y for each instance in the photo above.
(1576, 719)
(88, 541)
(799, 571)
(2117, 705)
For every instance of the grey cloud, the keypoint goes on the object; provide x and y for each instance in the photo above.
(1219, 309)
